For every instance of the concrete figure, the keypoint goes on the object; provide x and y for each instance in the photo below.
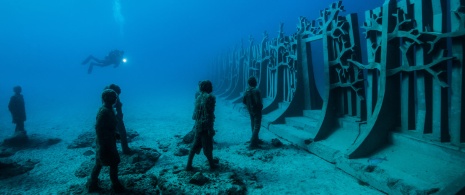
(18, 110)
(253, 100)
(204, 118)
(119, 115)
(106, 152)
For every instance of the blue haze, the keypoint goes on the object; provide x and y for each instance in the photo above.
(169, 45)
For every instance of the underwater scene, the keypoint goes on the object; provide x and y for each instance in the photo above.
(232, 97)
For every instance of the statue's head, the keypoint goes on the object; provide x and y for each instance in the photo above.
(206, 86)
(115, 88)
(252, 81)
(109, 96)
(17, 89)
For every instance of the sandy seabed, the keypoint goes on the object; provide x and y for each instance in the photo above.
(289, 170)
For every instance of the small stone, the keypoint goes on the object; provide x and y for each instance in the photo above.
(198, 179)
(370, 168)
(89, 153)
(276, 142)
(52, 141)
(131, 134)
(135, 158)
(308, 141)
(84, 140)
(189, 137)
(6, 152)
(10, 168)
(182, 152)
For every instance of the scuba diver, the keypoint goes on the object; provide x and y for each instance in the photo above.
(115, 57)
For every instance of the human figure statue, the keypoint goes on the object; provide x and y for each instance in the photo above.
(115, 57)
(204, 116)
(106, 152)
(18, 111)
(119, 115)
(253, 100)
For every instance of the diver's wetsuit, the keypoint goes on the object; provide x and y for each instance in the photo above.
(114, 57)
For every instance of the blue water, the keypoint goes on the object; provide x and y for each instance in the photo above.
(169, 45)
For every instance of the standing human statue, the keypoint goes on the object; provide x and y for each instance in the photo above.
(204, 116)
(106, 151)
(119, 115)
(253, 100)
(18, 111)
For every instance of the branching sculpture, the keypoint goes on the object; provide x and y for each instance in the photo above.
(353, 85)
(406, 67)
(412, 34)
(374, 26)
(460, 31)
(337, 27)
(329, 14)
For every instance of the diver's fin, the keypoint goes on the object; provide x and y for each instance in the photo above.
(86, 60)
(91, 66)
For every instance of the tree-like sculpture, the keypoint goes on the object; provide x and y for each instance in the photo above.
(460, 31)
(309, 29)
(407, 67)
(347, 74)
(372, 29)
(345, 91)
(402, 19)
